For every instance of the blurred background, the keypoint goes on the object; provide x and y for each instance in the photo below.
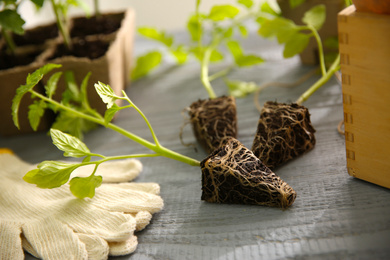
(164, 14)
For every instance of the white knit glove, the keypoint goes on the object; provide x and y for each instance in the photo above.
(53, 224)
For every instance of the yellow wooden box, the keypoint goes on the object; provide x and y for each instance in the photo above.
(364, 40)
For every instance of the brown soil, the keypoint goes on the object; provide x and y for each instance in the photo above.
(92, 49)
(213, 120)
(37, 35)
(284, 132)
(8, 61)
(233, 174)
(105, 24)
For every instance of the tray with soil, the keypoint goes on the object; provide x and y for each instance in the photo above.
(106, 54)
(233, 174)
(284, 131)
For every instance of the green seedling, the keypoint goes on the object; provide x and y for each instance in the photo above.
(11, 21)
(209, 33)
(51, 174)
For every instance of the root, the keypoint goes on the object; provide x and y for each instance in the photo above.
(213, 121)
(233, 174)
(284, 131)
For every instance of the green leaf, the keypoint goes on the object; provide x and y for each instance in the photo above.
(69, 123)
(247, 3)
(145, 64)
(315, 17)
(38, 3)
(194, 27)
(243, 31)
(296, 45)
(83, 90)
(222, 12)
(295, 3)
(82, 187)
(110, 113)
(70, 145)
(282, 28)
(72, 92)
(35, 113)
(180, 54)
(249, 60)
(235, 49)
(50, 174)
(266, 8)
(154, 34)
(240, 88)
(11, 20)
(51, 84)
(106, 93)
(31, 81)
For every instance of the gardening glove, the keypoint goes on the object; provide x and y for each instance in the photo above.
(53, 224)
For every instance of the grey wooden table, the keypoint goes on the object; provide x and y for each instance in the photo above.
(334, 216)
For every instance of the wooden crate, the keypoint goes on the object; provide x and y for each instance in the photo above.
(364, 40)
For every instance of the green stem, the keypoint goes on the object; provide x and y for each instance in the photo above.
(221, 73)
(158, 149)
(10, 42)
(144, 117)
(61, 26)
(97, 9)
(320, 48)
(332, 70)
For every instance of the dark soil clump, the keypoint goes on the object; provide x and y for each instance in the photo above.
(213, 121)
(37, 35)
(104, 24)
(284, 132)
(82, 48)
(233, 174)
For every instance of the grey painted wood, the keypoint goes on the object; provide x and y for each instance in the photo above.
(334, 216)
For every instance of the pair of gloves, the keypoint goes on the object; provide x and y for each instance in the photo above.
(53, 224)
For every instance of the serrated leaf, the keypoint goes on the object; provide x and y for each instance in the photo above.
(72, 90)
(315, 17)
(247, 3)
(106, 93)
(248, 60)
(51, 84)
(31, 81)
(35, 113)
(110, 113)
(240, 88)
(11, 20)
(145, 64)
(83, 88)
(50, 174)
(154, 34)
(69, 123)
(83, 187)
(70, 145)
(222, 12)
(296, 45)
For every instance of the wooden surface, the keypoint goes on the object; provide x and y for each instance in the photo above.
(335, 216)
(365, 54)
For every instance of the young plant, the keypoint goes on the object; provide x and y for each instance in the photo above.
(11, 21)
(51, 174)
(214, 119)
(60, 10)
(284, 130)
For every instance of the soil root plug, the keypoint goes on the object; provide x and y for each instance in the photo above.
(233, 174)
(284, 131)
